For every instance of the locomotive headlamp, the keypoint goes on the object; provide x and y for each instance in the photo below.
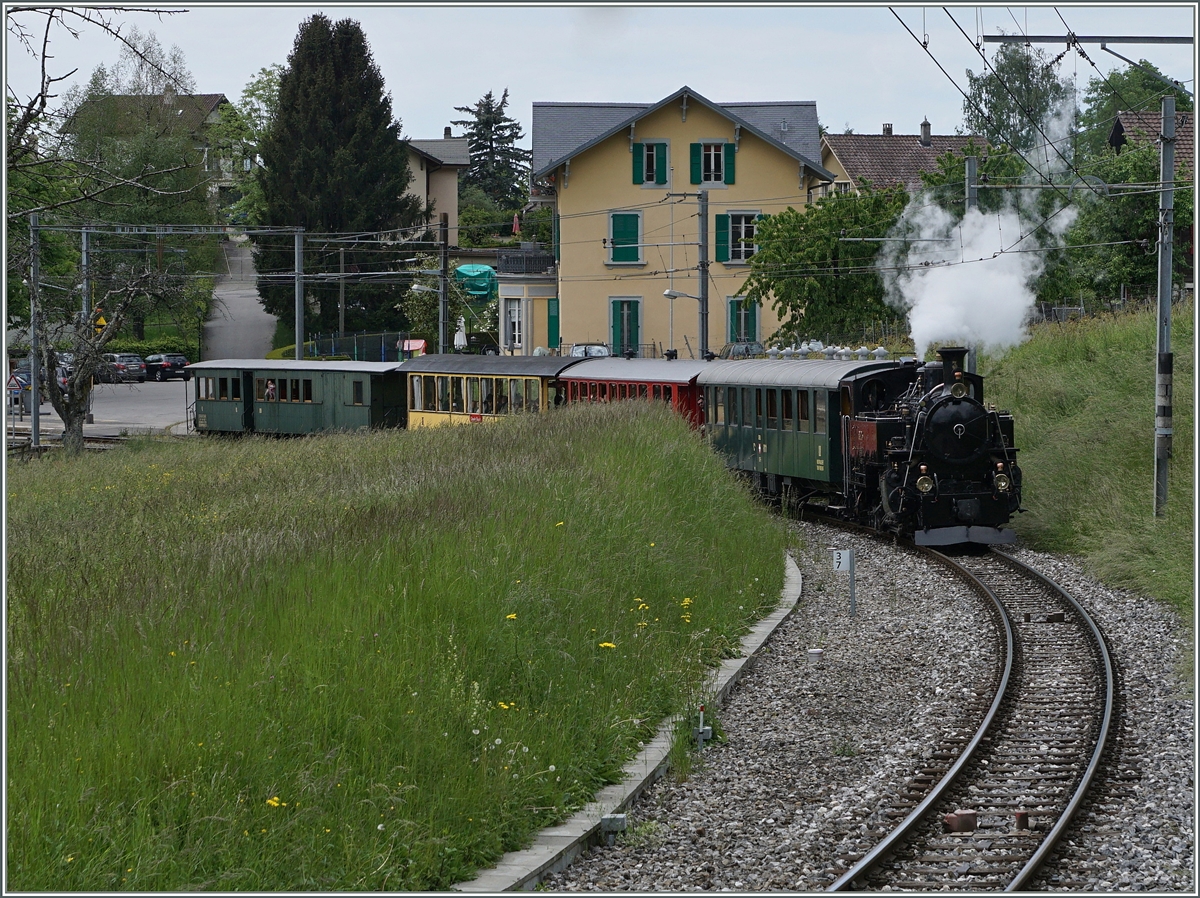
(923, 468)
(924, 483)
(958, 390)
(1002, 483)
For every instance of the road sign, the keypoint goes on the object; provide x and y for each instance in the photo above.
(14, 384)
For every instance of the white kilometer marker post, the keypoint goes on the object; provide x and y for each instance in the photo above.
(843, 560)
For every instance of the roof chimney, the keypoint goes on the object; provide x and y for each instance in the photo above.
(926, 139)
(887, 129)
(446, 133)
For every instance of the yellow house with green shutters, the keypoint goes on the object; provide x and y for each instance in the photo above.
(627, 181)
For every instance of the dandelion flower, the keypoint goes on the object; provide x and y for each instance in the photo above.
(475, 732)
(651, 545)
(512, 616)
(498, 741)
(552, 768)
(608, 645)
(559, 524)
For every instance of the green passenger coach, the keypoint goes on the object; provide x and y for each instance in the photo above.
(781, 419)
(295, 397)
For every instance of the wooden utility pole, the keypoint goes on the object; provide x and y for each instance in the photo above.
(299, 293)
(443, 287)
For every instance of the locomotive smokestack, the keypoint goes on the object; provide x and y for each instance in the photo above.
(953, 360)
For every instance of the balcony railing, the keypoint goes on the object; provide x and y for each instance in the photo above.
(525, 262)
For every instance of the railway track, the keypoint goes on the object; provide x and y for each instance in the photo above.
(989, 806)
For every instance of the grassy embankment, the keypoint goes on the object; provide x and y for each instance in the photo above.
(1083, 396)
(359, 661)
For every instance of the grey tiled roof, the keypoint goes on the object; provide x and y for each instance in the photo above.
(886, 159)
(561, 130)
(793, 124)
(447, 151)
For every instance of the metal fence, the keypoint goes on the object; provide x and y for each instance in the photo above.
(363, 347)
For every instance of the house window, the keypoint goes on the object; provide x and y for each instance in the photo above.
(735, 236)
(650, 163)
(512, 323)
(743, 321)
(625, 237)
(713, 163)
(842, 186)
(358, 392)
(625, 325)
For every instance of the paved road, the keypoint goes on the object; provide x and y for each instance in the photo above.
(121, 410)
(239, 327)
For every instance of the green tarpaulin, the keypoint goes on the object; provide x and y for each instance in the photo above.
(478, 280)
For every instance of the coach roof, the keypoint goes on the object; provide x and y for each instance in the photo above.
(679, 371)
(788, 372)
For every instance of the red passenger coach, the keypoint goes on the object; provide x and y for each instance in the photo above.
(612, 379)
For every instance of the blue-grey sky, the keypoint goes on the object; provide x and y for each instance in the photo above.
(858, 63)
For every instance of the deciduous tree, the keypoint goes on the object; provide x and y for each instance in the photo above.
(1013, 95)
(819, 285)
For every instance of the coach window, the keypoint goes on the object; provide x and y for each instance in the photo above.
(820, 400)
(533, 394)
(456, 394)
(443, 393)
(235, 388)
(223, 388)
(717, 407)
(501, 395)
(414, 393)
(772, 409)
(657, 391)
(428, 392)
(747, 408)
(802, 411)
(260, 388)
(668, 393)
(473, 395)
(642, 391)
(358, 392)
(758, 408)
(296, 390)
(604, 390)
(486, 395)
(786, 423)
(516, 395)
(308, 393)
(733, 407)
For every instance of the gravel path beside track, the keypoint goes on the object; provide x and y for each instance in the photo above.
(811, 748)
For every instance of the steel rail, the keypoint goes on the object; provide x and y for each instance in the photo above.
(1039, 856)
(884, 847)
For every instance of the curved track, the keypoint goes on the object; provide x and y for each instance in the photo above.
(1023, 773)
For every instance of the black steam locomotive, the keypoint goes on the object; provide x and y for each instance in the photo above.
(899, 446)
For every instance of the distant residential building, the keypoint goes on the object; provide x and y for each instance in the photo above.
(884, 159)
(623, 181)
(1133, 128)
(435, 166)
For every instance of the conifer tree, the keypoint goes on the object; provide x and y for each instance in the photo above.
(334, 161)
(499, 167)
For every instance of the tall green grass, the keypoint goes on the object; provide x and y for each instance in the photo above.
(356, 661)
(1083, 396)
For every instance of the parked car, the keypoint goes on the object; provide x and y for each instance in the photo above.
(123, 367)
(165, 365)
(589, 350)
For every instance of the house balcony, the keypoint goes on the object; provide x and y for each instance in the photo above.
(533, 261)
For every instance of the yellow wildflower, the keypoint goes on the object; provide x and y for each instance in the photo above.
(512, 616)
(608, 645)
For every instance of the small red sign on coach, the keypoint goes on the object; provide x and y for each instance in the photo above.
(475, 419)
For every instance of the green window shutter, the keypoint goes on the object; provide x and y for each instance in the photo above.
(696, 168)
(752, 322)
(733, 316)
(639, 158)
(625, 237)
(722, 238)
(633, 334)
(660, 163)
(555, 236)
(730, 153)
(552, 337)
(616, 326)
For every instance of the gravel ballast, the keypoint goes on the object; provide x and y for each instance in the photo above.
(810, 750)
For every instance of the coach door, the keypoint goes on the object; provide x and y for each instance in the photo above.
(247, 398)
